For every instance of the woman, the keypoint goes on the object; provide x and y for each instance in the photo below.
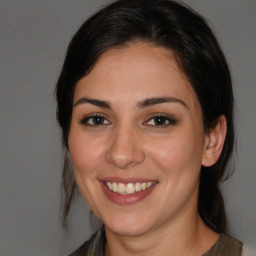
(145, 106)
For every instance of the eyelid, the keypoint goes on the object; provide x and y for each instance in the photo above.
(169, 118)
(86, 118)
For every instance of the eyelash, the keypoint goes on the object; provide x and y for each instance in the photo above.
(162, 118)
(104, 121)
(85, 121)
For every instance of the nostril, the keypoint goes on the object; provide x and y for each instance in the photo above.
(125, 157)
(122, 160)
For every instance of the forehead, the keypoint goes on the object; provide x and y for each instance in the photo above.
(137, 71)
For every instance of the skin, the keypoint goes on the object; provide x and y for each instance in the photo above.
(129, 144)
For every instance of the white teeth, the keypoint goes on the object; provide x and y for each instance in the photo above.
(109, 185)
(121, 188)
(137, 187)
(143, 185)
(130, 188)
(149, 184)
(114, 186)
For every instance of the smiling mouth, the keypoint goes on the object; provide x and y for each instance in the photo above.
(129, 188)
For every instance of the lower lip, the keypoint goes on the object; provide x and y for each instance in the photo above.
(126, 199)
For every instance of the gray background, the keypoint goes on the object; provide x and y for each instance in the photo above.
(34, 36)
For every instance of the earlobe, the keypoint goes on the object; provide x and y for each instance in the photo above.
(214, 141)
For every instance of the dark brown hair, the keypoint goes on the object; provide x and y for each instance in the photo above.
(177, 27)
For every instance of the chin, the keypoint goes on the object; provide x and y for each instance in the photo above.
(129, 226)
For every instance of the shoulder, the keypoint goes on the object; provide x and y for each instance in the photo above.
(94, 246)
(226, 246)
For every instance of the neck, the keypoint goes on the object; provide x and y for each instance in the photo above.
(185, 237)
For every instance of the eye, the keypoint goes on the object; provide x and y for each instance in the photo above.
(95, 120)
(160, 121)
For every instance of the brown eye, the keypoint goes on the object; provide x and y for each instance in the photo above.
(94, 120)
(160, 121)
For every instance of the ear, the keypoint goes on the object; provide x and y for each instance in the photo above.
(214, 141)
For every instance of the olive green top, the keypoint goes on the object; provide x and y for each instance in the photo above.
(225, 246)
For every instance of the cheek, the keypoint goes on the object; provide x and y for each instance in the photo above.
(85, 151)
(167, 152)
(177, 153)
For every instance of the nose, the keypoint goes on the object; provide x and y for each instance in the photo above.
(125, 150)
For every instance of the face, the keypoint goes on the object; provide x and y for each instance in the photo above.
(137, 140)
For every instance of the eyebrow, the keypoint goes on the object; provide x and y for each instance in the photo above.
(142, 104)
(158, 100)
(98, 103)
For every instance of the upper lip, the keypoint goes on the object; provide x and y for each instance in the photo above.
(126, 180)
